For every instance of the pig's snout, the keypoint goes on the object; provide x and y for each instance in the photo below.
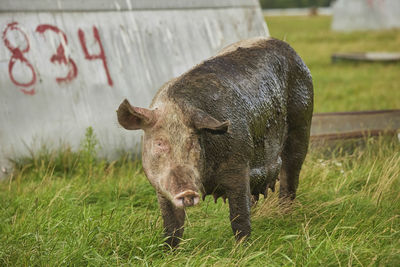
(186, 198)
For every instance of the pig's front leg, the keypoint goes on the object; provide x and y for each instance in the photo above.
(174, 218)
(239, 207)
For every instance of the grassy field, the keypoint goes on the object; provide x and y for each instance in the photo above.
(66, 208)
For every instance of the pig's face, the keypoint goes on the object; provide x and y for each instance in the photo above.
(170, 157)
(171, 149)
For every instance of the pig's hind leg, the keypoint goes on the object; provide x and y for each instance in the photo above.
(299, 115)
(293, 155)
(174, 219)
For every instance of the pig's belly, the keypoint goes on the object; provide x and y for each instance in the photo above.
(264, 177)
(266, 165)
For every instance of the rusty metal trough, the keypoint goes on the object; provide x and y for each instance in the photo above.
(367, 57)
(346, 125)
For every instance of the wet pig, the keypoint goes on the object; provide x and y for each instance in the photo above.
(229, 127)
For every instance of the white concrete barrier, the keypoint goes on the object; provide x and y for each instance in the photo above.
(66, 65)
(350, 15)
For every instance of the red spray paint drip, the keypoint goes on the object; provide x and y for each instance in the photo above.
(28, 92)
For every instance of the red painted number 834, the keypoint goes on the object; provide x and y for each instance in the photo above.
(18, 51)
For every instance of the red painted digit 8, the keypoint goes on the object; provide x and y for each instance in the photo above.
(17, 54)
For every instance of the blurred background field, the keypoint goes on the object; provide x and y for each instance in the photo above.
(343, 86)
(66, 208)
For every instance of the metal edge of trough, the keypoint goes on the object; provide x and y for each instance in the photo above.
(366, 112)
(352, 135)
(359, 124)
(366, 57)
(118, 5)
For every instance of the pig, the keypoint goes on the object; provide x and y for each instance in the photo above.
(229, 127)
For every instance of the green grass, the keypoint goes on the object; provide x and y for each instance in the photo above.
(57, 211)
(343, 86)
(71, 208)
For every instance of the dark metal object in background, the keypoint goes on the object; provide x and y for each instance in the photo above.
(367, 57)
(345, 125)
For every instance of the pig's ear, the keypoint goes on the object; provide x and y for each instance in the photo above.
(134, 118)
(203, 121)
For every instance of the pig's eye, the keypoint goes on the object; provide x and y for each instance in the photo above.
(191, 143)
(160, 146)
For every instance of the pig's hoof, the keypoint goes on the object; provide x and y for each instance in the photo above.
(186, 198)
(172, 243)
(242, 237)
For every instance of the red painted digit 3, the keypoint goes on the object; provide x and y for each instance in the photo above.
(60, 57)
(101, 55)
(18, 54)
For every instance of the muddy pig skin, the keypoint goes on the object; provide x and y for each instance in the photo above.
(229, 127)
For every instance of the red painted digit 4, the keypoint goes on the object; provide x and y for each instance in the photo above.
(101, 54)
(18, 55)
(60, 57)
